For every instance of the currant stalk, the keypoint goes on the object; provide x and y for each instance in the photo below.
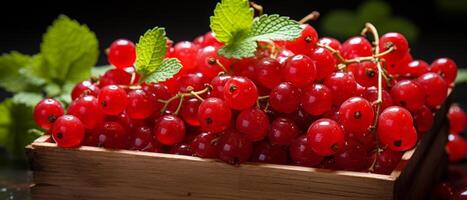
(182, 96)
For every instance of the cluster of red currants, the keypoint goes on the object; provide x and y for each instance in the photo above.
(311, 102)
(457, 145)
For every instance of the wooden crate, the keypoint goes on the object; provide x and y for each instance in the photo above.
(97, 173)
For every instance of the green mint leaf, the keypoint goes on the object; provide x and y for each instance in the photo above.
(242, 49)
(274, 27)
(167, 70)
(461, 76)
(150, 51)
(27, 98)
(232, 20)
(10, 66)
(68, 51)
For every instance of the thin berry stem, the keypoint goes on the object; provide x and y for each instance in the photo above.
(221, 65)
(181, 96)
(310, 17)
(257, 7)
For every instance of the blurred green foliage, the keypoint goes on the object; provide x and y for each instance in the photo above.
(343, 24)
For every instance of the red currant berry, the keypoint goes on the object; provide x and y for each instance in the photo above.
(423, 119)
(396, 41)
(282, 131)
(142, 138)
(84, 88)
(87, 109)
(325, 137)
(354, 157)
(234, 148)
(181, 149)
(205, 145)
(443, 191)
(435, 87)
(214, 115)
(325, 62)
(408, 94)
(414, 68)
(140, 104)
(306, 41)
(457, 119)
(115, 77)
(207, 62)
(169, 130)
(190, 82)
(385, 161)
(371, 94)
(283, 55)
(356, 47)
(302, 154)
(189, 111)
(113, 100)
(254, 123)
(68, 131)
(268, 72)
(156, 91)
(186, 52)
(264, 152)
(122, 53)
(395, 129)
(356, 115)
(331, 42)
(446, 68)
(245, 67)
(396, 66)
(285, 97)
(46, 112)
(316, 99)
(218, 84)
(209, 39)
(456, 147)
(299, 70)
(240, 93)
(366, 74)
(113, 135)
(342, 84)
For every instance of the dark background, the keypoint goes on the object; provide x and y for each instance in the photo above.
(442, 31)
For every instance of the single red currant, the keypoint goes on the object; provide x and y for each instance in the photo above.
(142, 138)
(245, 67)
(414, 68)
(302, 154)
(140, 104)
(218, 84)
(46, 112)
(299, 70)
(113, 135)
(210, 63)
(205, 145)
(423, 119)
(268, 73)
(456, 147)
(395, 67)
(331, 42)
(395, 129)
(115, 77)
(285, 97)
(264, 152)
(282, 131)
(408, 94)
(87, 109)
(371, 94)
(214, 115)
(240, 93)
(385, 161)
(186, 52)
(68, 131)
(234, 148)
(366, 74)
(254, 123)
(325, 137)
(356, 115)
(342, 84)
(112, 100)
(306, 41)
(354, 157)
(396, 41)
(356, 47)
(169, 130)
(435, 87)
(457, 119)
(316, 99)
(325, 62)
(84, 88)
(446, 68)
(122, 53)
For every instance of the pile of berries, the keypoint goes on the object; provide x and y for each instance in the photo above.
(312, 102)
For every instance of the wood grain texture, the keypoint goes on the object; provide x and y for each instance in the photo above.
(97, 173)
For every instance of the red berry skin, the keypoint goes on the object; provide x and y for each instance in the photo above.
(186, 52)
(206, 62)
(87, 109)
(234, 148)
(112, 100)
(423, 119)
(302, 154)
(299, 70)
(142, 139)
(325, 137)
(435, 87)
(385, 161)
(306, 41)
(268, 72)
(395, 40)
(356, 115)
(395, 129)
(414, 68)
(396, 66)
(408, 94)
(181, 149)
(68, 131)
(169, 130)
(282, 131)
(457, 119)
(371, 94)
(214, 115)
(264, 152)
(366, 74)
(283, 55)
(253, 123)
(240, 93)
(444, 191)
(156, 91)
(113, 135)
(325, 62)
(139, 105)
(122, 53)
(205, 145)
(84, 88)
(316, 99)
(189, 111)
(218, 84)
(329, 41)
(115, 77)
(342, 84)
(456, 148)
(209, 39)
(446, 68)
(285, 98)
(354, 157)
(245, 67)
(46, 112)
(189, 82)
(355, 47)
